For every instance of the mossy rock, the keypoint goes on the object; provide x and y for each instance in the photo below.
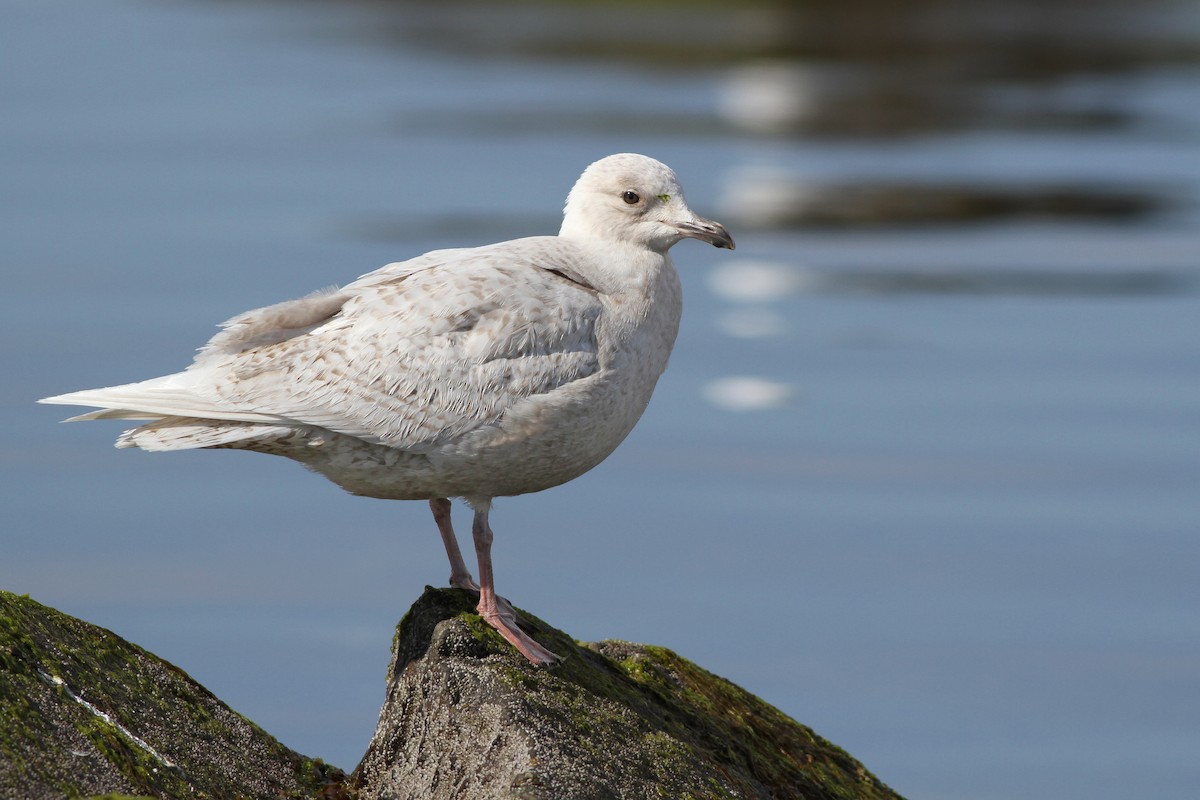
(466, 716)
(87, 714)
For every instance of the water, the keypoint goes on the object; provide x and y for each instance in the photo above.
(923, 472)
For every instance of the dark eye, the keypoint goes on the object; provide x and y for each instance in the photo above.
(631, 198)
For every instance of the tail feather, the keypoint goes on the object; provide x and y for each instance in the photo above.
(168, 396)
(185, 433)
(111, 413)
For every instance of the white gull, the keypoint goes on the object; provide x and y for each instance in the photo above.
(475, 373)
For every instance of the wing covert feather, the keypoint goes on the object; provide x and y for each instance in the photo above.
(420, 354)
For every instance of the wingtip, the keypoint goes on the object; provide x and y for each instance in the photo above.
(61, 400)
(57, 400)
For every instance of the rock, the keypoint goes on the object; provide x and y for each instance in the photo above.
(87, 713)
(466, 717)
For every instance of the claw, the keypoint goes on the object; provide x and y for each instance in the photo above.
(506, 626)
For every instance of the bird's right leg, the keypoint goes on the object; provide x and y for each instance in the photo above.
(460, 576)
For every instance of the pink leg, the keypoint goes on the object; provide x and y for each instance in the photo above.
(460, 576)
(496, 611)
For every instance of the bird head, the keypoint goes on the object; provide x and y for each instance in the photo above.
(637, 200)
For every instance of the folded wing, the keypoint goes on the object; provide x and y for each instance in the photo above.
(413, 355)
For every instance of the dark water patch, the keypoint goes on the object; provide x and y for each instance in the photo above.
(835, 100)
(854, 205)
(1027, 282)
(981, 39)
(872, 68)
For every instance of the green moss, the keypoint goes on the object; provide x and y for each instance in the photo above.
(744, 731)
(68, 686)
(478, 628)
(682, 729)
(685, 717)
(21, 661)
(144, 772)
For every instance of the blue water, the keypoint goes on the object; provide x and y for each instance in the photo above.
(957, 533)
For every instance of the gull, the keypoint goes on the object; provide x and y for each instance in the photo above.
(473, 373)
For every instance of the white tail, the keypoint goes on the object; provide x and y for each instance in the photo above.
(168, 396)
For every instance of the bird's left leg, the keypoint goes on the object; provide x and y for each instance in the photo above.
(495, 610)
(460, 576)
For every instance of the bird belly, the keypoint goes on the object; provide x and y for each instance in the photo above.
(542, 442)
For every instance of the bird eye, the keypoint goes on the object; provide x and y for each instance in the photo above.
(631, 198)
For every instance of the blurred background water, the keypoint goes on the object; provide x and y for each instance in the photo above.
(923, 472)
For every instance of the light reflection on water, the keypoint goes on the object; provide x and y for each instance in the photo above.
(952, 519)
